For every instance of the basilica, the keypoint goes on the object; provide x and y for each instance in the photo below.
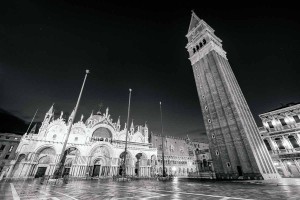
(95, 148)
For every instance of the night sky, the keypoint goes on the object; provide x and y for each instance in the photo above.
(45, 47)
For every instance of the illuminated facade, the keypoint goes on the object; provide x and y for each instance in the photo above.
(180, 155)
(236, 147)
(281, 135)
(95, 148)
(8, 146)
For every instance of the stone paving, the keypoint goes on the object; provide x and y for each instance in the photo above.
(152, 189)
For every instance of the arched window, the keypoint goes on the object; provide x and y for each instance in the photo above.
(267, 145)
(279, 143)
(197, 47)
(194, 51)
(54, 137)
(204, 41)
(201, 45)
(293, 141)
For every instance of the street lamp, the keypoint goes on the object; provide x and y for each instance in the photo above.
(59, 170)
(127, 125)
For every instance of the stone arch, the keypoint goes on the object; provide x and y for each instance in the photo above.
(103, 131)
(17, 169)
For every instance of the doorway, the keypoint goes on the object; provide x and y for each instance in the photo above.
(240, 171)
(40, 172)
(96, 170)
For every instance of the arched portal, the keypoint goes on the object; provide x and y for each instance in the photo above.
(141, 162)
(98, 164)
(17, 170)
(71, 155)
(129, 163)
(44, 157)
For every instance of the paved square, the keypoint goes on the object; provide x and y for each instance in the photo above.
(148, 189)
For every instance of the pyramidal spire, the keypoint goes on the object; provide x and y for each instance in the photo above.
(131, 127)
(50, 111)
(32, 131)
(194, 21)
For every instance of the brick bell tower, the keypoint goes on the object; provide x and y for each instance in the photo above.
(235, 144)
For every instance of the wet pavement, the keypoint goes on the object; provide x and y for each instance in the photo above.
(152, 189)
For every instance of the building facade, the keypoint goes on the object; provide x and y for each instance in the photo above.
(8, 146)
(95, 148)
(179, 155)
(236, 147)
(281, 135)
(203, 157)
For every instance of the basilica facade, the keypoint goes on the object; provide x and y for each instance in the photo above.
(95, 148)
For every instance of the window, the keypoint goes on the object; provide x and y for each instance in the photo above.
(197, 47)
(228, 164)
(201, 45)
(213, 136)
(2, 147)
(76, 138)
(282, 122)
(11, 148)
(194, 50)
(7, 137)
(6, 156)
(270, 125)
(209, 121)
(204, 41)
(217, 152)
(206, 108)
(296, 118)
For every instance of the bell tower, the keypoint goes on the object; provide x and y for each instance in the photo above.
(235, 144)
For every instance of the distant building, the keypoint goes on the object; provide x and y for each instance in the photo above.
(203, 156)
(281, 135)
(8, 145)
(180, 154)
(95, 148)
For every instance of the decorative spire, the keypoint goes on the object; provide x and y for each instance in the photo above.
(33, 130)
(118, 122)
(61, 115)
(50, 111)
(106, 113)
(71, 116)
(92, 113)
(81, 118)
(132, 126)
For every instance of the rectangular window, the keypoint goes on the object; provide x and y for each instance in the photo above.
(282, 122)
(11, 148)
(6, 156)
(296, 118)
(270, 125)
(2, 147)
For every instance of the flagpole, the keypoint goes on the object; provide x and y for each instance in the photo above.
(59, 171)
(127, 125)
(31, 121)
(162, 141)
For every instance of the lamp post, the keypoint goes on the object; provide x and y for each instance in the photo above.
(127, 125)
(59, 170)
(162, 141)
